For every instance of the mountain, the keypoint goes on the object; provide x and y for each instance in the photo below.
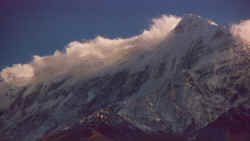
(193, 85)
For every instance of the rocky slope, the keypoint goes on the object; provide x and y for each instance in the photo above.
(175, 91)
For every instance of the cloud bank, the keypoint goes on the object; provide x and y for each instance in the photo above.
(89, 55)
(92, 55)
(242, 30)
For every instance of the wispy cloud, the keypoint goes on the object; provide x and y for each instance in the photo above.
(89, 55)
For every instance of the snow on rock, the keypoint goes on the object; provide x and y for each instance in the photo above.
(186, 81)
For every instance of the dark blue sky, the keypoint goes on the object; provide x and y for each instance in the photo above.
(40, 27)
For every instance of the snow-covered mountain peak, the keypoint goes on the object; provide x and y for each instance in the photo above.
(189, 76)
(195, 23)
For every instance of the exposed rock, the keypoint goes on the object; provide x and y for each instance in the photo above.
(185, 86)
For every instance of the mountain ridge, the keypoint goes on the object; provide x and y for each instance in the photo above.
(185, 83)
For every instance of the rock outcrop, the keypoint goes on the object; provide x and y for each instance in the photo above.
(193, 81)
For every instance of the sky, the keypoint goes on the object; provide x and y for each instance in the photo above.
(30, 27)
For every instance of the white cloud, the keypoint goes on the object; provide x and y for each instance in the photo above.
(242, 30)
(88, 55)
(19, 74)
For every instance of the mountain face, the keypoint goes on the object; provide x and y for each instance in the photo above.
(194, 84)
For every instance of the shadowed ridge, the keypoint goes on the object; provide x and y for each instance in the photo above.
(233, 125)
